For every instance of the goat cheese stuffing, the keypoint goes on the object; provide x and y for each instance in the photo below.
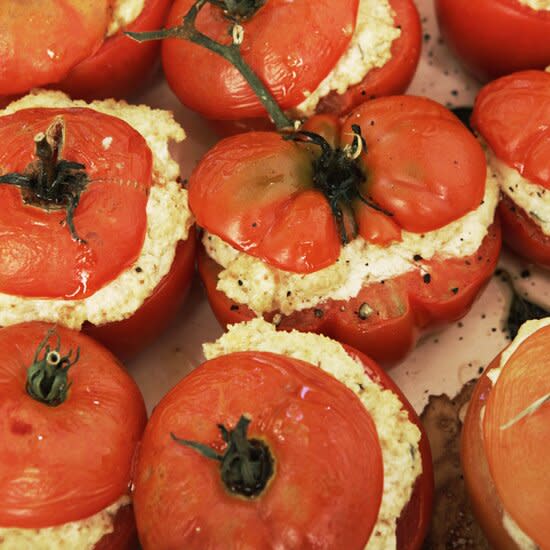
(398, 437)
(124, 13)
(168, 222)
(83, 534)
(370, 47)
(534, 199)
(263, 288)
(538, 5)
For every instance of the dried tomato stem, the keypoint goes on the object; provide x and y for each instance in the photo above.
(188, 31)
(47, 379)
(246, 466)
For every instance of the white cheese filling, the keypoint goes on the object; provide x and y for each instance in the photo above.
(536, 4)
(534, 199)
(370, 47)
(124, 13)
(82, 534)
(398, 437)
(263, 288)
(168, 222)
(526, 330)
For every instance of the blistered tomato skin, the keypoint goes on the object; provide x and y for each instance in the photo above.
(322, 439)
(39, 256)
(493, 38)
(286, 56)
(67, 462)
(120, 67)
(512, 116)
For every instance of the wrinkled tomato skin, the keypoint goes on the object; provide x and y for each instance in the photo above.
(395, 76)
(495, 37)
(82, 457)
(408, 305)
(412, 525)
(523, 235)
(121, 66)
(128, 337)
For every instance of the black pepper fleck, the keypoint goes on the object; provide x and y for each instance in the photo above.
(427, 278)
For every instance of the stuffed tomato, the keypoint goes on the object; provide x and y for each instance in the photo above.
(370, 234)
(95, 229)
(338, 456)
(77, 46)
(505, 443)
(496, 37)
(512, 118)
(67, 460)
(313, 57)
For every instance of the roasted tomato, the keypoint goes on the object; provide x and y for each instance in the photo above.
(259, 449)
(95, 228)
(496, 37)
(512, 116)
(322, 56)
(505, 443)
(378, 229)
(77, 45)
(67, 460)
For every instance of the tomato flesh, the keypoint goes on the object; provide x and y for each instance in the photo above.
(64, 463)
(512, 114)
(43, 39)
(288, 58)
(519, 455)
(327, 480)
(38, 255)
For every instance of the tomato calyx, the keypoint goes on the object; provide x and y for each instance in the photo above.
(47, 377)
(50, 182)
(188, 31)
(238, 10)
(246, 465)
(338, 175)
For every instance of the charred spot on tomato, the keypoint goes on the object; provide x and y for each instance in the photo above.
(50, 182)
(338, 174)
(318, 313)
(47, 377)
(246, 466)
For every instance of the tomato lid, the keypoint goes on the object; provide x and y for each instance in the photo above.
(512, 114)
(42, 40)
(39, 257)
(66, 462)
(516, 446)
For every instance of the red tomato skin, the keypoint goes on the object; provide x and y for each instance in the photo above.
(275, 45)
(121, 66)
(124, 535)
(407, 303)
(128, 337)
(82, 437)
(495, 37)
(395, 76)
(413, 524)
(521, 234)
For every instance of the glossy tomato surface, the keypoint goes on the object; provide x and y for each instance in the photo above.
(121, 66)
(322, 440)
(396, 75)
(43, 39)
(512, 115)
(288, 56)
(490, 454)
(495, 37)
(66, 462)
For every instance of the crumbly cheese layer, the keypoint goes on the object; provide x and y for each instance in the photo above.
(124, 13)
(263, 288)
(83, 534)
(534, 199)
(168, 222)
(370, 47)
(536, 4)
(398, 437)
